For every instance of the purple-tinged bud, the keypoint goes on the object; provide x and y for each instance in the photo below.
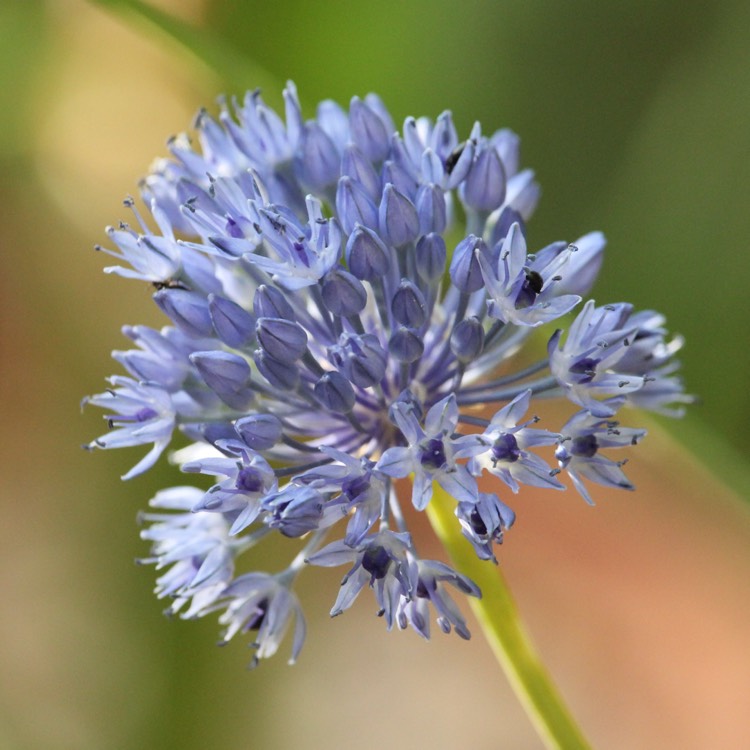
(465, 270)
(406, 402)
(226, 375)
(523, 193)
(396, 175)
(408, 305)
(259, 431)
(279, 374)
(431, 209)
(467, 340)
(375, 103)
(354, 164)
(317, 161)
(405, 345)
(508, 145)
(294, 510)
(580, 272)
(399, 155)
(281, 339)
(187, 310)
(413, 143)
(444, 138)
(368, 131)
(484, 187)
(360, 358)
(432, 168)
(366, 255)
(458, 163)
(234, 326)
(343, 293)
(145, 366)
(335, 393)
(332, 118)
(399, 222)
(508, 217)
(292, 111)
(353, 206)
(430, 257)
(270, 302)
(215, 431)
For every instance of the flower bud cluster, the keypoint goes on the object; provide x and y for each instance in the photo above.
(326, 339)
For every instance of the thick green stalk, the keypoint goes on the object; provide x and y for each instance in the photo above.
(500, 621)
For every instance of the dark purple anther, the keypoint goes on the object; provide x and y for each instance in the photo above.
(477, 524)
(505, 448)
(256, 619)
(585, 367)
(353, 488)
(433, 454)
(584, 446)
(249, 479)
(376, 561)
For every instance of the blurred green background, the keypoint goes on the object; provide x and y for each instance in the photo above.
(635, 116)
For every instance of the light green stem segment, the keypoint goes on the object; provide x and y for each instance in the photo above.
(499, 618)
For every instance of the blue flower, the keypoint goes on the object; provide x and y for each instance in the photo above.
(483, 522)
(263, 603)
(584, 435)
(432, 452)
(507, 443)
(325, 340)
(197, 546)
(427, 579)
(380, 561)
(144, 413)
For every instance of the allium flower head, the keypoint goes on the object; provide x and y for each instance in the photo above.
(325, 338)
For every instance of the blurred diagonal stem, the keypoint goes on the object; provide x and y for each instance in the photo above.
(500, 621)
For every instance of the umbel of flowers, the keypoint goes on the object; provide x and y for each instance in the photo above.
(324, 340)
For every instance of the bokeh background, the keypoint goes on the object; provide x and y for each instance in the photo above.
(635, 116)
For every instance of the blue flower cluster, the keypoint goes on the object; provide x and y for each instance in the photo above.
(325, 341)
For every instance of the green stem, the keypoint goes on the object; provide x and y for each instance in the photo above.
(500, 621)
